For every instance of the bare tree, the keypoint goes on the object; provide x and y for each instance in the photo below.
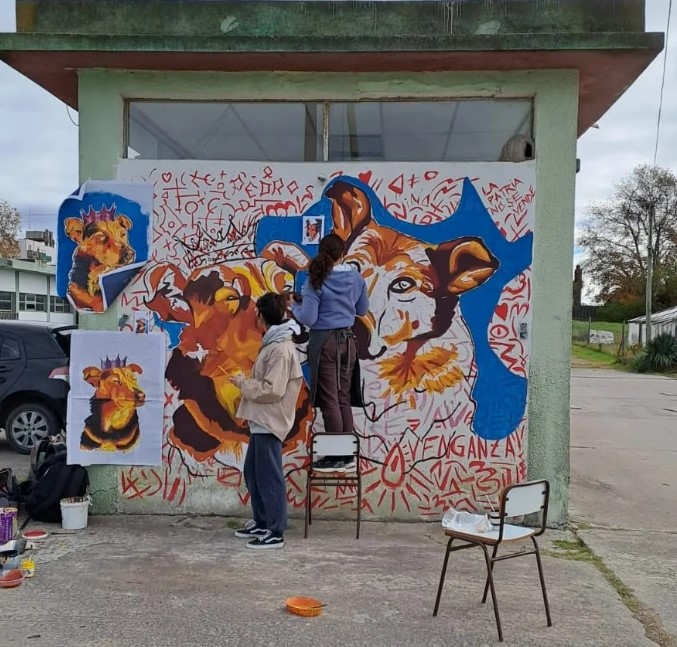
(615, 236)
(10, 224)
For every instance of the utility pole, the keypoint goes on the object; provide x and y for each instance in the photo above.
(649, 271)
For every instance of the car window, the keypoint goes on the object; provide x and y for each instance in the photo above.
(9, 348)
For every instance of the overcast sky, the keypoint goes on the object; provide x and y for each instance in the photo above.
(38, 138)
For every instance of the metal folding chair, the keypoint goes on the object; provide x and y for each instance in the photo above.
(516, 500)
(322, 444)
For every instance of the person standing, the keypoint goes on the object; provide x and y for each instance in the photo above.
(269, 405)
(331, 298)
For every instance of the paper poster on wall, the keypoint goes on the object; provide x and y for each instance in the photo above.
(103, 239)
(116, 399)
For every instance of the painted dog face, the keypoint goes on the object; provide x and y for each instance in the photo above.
(413, 291)
(220, 339)
(104, 241)
(116, 385)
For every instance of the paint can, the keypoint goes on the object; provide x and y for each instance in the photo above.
(8, 521)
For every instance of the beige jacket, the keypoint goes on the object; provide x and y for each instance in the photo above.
(269, 396)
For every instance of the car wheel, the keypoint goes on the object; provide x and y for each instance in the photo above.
(28, 424)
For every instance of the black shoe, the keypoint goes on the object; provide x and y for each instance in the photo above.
(324, 465)
(267, 542)
(250, 531)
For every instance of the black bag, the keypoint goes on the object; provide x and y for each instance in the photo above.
(9, 489)
(55, 480)
(356, 399)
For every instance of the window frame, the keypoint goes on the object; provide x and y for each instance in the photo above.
(36, 296)
(325, 114)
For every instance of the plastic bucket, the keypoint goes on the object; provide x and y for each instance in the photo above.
(74, 512)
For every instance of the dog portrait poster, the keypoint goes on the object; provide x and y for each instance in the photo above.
(142, 321)
(446, 252)
(313, 230)
(116, 398)
(103, 239)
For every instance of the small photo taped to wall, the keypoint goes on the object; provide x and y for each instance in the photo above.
(313, 226)
(142, 321)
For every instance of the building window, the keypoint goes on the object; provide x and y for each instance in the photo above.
(32, 302)
(462, 130)
(57, 304)
(6, 301)
(290, 132)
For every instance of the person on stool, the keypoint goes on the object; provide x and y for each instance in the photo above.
(269, 405)
(331, 298)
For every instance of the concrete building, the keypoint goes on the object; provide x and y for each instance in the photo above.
(28, 293)
(262, 108)
(38, 247)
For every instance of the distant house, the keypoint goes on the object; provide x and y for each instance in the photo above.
(661, 322)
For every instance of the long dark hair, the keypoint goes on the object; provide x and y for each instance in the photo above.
(331, 249)
(272, 307)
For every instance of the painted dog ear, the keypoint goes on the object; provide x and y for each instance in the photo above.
(165, 284)
(462, 265)
(350, 210)
(124, 221)
(92, 375)
(288, 256)
(135, 368)
(74, 228)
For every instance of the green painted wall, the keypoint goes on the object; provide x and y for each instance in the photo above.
(556, 105)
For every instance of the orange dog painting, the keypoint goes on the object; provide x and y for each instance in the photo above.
(103, 241)
(115, 408)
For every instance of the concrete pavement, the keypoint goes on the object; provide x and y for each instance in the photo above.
(624, 482)
(175, 582)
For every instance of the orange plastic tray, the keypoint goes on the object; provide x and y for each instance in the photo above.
(303, 606)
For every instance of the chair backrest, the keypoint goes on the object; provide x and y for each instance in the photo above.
(335, 445)
(526, 498)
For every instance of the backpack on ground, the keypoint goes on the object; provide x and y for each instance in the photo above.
(9, 489)
(52, 480)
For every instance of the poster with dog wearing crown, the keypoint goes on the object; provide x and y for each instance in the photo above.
(103, 241)
(116, 399)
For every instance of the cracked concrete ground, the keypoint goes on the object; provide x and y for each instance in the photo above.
(130, 581)
(624, 481)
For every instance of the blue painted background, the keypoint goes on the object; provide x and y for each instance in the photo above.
(138, 237)
(500, 395)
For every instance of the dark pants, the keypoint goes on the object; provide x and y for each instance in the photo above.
(333, 391)
(265, 481)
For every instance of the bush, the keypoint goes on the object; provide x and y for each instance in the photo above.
(640, 363)
(661, 353)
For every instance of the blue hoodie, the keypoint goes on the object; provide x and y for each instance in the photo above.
(342, 297)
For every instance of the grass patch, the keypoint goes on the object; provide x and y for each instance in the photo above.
(592, 356)
(577, 550)
(580, 328)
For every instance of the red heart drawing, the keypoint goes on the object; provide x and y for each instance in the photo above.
(166, 177)
(365, 177)
(502, 311)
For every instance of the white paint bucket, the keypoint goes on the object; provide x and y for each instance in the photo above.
(74, 512)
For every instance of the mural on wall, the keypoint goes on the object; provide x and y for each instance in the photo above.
(116, 398)
(103, 240)
(446, 253)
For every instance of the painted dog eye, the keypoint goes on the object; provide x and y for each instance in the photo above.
(402, 285)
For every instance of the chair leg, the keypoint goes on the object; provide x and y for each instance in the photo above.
(540, 575)
(490, 577)
(486, 584)
(442, 576)
(308, 502)
(359, 503)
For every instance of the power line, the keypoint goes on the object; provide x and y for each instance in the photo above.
(665, 65)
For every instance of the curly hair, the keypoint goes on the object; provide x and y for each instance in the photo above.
(331, 250)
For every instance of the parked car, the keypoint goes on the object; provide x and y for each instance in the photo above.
(33, 381)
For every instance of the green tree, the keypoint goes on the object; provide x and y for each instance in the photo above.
(615, 237)
(10, 224)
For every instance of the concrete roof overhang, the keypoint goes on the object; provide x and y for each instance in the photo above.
(608, 63)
